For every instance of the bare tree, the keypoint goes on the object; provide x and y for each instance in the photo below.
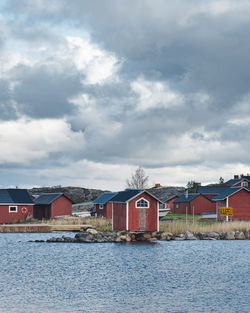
(138, 180)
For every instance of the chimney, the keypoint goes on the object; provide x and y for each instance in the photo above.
(236, 176)
(157, 185)
(186, 194)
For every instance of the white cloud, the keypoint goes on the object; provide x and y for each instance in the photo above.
(23, 141)
(153, 94)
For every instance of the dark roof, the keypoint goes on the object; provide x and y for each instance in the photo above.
(48, 198)
(228, 192)
(123, 196)
(211, 189)
(104, 198)
(232, 182)
(190, 197)
(15, 196)
(165, 193)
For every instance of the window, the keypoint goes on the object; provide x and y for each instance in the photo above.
(142, 203)
(101, 206)
(13, 209)
(244, 184)
(177, 206)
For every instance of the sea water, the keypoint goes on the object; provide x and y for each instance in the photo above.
(183, 276)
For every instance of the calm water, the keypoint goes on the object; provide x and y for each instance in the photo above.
(188, 276)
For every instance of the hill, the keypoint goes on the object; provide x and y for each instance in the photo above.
(77, 194)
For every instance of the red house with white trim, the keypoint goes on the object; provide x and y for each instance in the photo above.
(237, 198)
(15, 205)
(136, 210)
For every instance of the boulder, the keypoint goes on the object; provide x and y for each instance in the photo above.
(190, 236)
(239, 235)
(213, 234)
(147, 236)
(247, 235)
(229, 235)
(92, 231)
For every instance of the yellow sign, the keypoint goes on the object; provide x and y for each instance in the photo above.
(226, 211)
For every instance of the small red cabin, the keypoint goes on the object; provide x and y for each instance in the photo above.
(15, 205)
(103, 205)
(135, 210)
(194, 203)
(49, 205)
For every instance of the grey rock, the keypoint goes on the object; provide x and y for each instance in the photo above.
(229, 235)
(190, 236)
(213, 234)
(239, 235)
(92, 231)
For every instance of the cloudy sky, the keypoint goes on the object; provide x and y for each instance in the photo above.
(90, 90)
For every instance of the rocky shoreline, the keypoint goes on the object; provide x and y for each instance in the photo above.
(92, 235)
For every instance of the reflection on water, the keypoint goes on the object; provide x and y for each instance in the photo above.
(198, 276)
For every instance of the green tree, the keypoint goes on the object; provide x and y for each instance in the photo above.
(221, 180)
(192, 186)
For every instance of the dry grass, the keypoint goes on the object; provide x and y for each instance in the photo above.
(178, 227)
(98, 223)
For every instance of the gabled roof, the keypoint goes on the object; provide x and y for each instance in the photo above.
(15, 196)
(48, 198)
(232, 182)
(104, 198)
(190, 197)
(172, 197)
(228, 192)
(128, 194)
(166, 193)
(123, 196)
(211, 189)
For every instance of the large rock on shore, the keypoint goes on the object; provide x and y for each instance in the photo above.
(239, 235)
(190, 236)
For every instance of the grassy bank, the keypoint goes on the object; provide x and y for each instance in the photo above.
(173, 223)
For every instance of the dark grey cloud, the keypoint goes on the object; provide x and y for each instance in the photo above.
(44, 92)
(194, 51)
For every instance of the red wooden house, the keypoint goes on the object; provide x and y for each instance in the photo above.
(103, 205)
(237, 198)
(49, 205)
(169, 203)
(194, 203)
(15, 205)
(135, 210)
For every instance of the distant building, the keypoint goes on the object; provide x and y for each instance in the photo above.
(194, 203)
(234, 193)
(103, 205)
(49, 205)
(15, 205)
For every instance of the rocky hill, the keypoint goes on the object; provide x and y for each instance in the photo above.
(77, 194)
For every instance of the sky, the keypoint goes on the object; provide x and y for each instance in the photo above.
(90, 90)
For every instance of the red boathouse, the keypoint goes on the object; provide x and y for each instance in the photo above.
(135, 210)
(49, 205)
(15, 205)
(103, 204)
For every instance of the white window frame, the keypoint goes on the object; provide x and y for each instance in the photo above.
(244, 184)
(13, 206)
(177, 206)
(141, 207)
(101, 206)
